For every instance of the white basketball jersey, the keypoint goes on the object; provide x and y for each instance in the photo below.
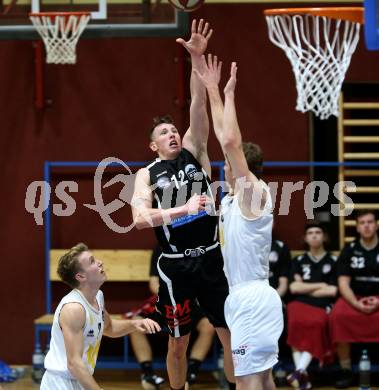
(245, 242)
(56, 358)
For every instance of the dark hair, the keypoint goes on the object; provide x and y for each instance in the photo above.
(314, 224)
(254, 158)
(159, 120)
(69, 266)
(361, 213)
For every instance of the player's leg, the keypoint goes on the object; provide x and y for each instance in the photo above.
(344, 357)
(203, 341)
(212, 296)
(224, 336)
(176, 302)
(51, 381)
(144, 355)
(177, 361)
(200, 347)
(258, 381)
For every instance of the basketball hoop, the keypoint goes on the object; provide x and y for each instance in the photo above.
(60, 32)
(319, 43)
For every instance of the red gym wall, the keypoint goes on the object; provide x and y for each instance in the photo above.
(102, 107)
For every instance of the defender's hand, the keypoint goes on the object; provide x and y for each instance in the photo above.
(231, 84)
(198, 42)
(211, 74)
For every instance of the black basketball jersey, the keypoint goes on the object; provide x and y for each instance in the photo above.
(313, 271)
(362, 266)
(154, 261)
(173, 182)
(280, 262)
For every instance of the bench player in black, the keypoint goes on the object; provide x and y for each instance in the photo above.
(314, 290)
(280, 266)
(172, 194)
(355, 317)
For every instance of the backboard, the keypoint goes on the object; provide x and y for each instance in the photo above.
(372, 24)
(109, 18)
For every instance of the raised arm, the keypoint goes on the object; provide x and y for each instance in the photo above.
(210, 77)
(119, 328)
(196, 137)
(252, 195)
(72, 321)
(145, 216)
(232, 139)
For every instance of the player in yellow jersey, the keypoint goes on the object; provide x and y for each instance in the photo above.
(79, 322)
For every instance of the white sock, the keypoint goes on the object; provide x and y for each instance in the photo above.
(296, 355)
(305, 360)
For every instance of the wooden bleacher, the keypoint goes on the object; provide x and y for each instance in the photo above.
(120, 266)
(126, 265)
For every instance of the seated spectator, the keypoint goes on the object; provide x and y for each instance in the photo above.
(280, 264)
(141, 345)
(313, 285)
(355, 317)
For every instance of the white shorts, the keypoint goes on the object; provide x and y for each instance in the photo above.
(52, 381)
(253, 312)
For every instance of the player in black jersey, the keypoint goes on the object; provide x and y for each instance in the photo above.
(172, 194)
(141, 345)
(314, 288)
(280, 265)
(355, 317)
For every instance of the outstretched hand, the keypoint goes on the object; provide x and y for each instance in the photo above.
(146, 326)
(211, 71)
(231, 84)
(198, 42)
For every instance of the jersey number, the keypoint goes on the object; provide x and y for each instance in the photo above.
(180, 183)
(306, 272)
(357, 262)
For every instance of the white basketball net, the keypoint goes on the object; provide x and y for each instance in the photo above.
(60, 35)
(319, 49)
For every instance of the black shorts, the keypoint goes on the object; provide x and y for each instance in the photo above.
(187, 282)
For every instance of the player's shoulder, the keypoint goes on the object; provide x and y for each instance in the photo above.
(72, 316)
(350, 247)
(151, 164)
(300, 258)
(72, 312)
(279, 243)
(143, 173)
(100, 296)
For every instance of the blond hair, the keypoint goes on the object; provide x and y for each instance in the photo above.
(69, 265)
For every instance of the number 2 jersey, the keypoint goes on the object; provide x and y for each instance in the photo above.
(173, 182)
(312, 270)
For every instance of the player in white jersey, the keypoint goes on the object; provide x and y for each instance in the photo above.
(79, 322)
(253, 309)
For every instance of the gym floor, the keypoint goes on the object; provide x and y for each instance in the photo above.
(129, 380)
